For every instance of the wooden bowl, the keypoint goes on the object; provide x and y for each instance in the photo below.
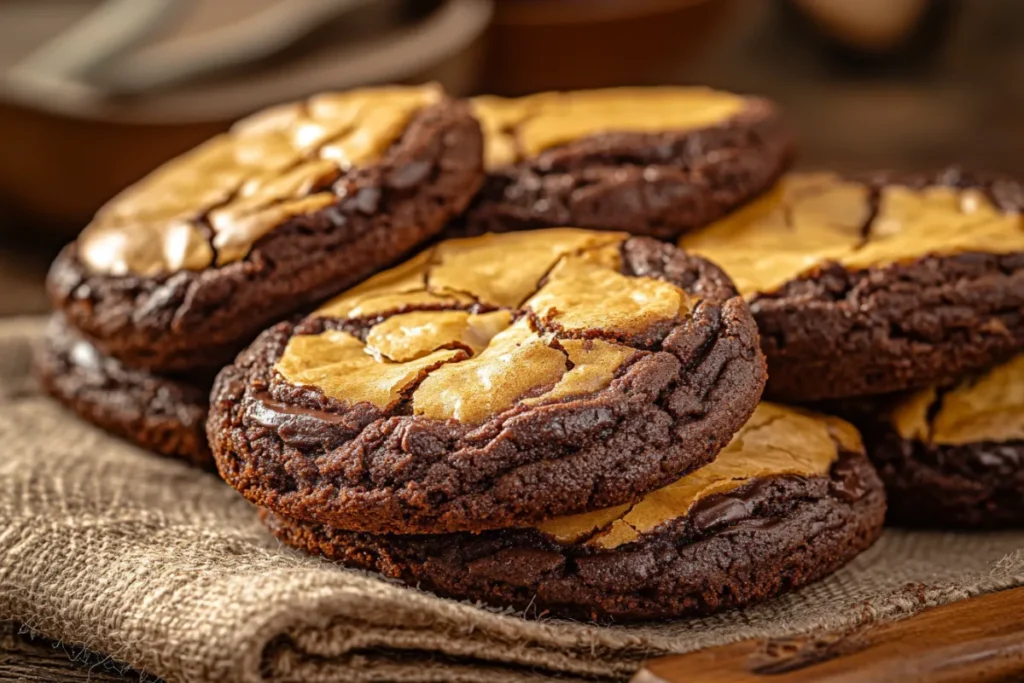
(63, 159)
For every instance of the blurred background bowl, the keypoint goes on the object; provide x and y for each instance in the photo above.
(552, 44)
(66, 152)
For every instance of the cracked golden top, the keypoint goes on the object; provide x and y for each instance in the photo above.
(776, 441)
(809, 219)
(987, 407)
(515, 129)
(208, 206)
(472, 327)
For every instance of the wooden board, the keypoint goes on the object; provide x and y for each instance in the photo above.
(979, 640)
(27, 658)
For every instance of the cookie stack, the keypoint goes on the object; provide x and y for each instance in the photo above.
(560, 419)
(897, 300)
(563, 419)
(179, 272)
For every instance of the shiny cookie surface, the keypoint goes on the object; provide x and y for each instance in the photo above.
(490, 382)
(290, 206)
(650, 161)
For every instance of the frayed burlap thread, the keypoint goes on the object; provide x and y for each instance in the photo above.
(167, 569)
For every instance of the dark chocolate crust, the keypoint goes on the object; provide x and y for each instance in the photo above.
(160, 414)
(193, 319)
(836, 333)
(932, 485)
(657, 184)
(670, 410)
(732, 550)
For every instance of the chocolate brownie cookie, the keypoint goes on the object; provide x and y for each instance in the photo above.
(492, 382)
(791, 499)
(652, 161)
(291, 206)
(954, 455)
(161, 414)
(873, 285)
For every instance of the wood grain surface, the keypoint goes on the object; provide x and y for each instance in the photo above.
(979, 640)
(24, 657)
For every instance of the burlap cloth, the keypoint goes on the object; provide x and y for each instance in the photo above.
(167, 569)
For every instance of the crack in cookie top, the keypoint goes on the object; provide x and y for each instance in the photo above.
(521, 128)
(811, 219)
(985, 408)
(473, 327)
(776, 441)
(210, 205)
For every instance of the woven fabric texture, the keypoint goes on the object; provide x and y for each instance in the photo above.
(167, 569)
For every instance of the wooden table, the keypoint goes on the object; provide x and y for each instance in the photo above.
(979, 640)
(25, 658)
